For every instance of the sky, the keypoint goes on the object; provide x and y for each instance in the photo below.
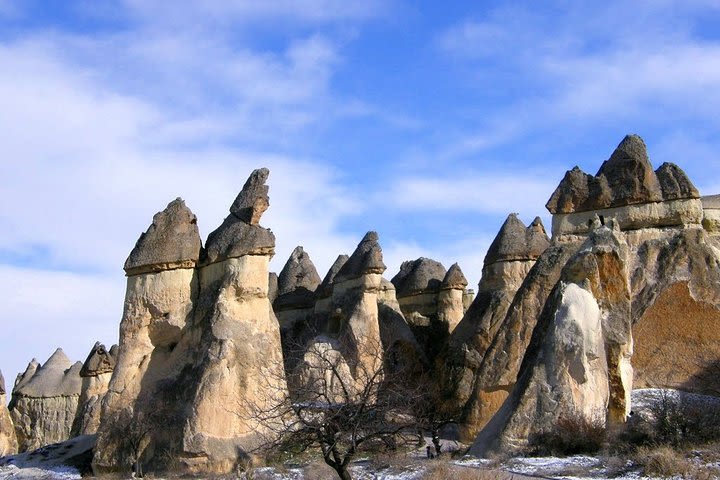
(428, 122)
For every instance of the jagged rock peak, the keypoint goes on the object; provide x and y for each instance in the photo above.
(23, 378)
(675, 183)
(626, 178)
(57, 377)
(171, 241)
(630, 175)
(419, 276)
(298, 272)
(99, 361)
(516, 242)
(2, 384)
(253, 199)
(240, 233)
(325, 289)
(367, 258)
(454, 278)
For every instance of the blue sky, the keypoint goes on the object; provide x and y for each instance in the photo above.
(427, 122)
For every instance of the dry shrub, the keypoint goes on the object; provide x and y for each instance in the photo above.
(318, 470)
(662, 462)
(573, 434)
(441, 469)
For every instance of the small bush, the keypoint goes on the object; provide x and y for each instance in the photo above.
(662, 462)
(573, 434)
(456, 472)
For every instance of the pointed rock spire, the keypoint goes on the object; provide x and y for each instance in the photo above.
(418, 276)
(56, 377)
(171, 241)
(674, 183)
(240, 234)
(454, 278)
(298, 272)
(253, 199)
(515, 242)
(2, 384)
(297, 282)
(367, 258)
(629, 174)
(25, 377)
(579, 192)
(325, 288)
(99, 361)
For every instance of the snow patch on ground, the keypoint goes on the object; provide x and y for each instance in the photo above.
(54, 473)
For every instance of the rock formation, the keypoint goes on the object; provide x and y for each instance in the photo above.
(635, 258)
(8, 439)
(95, 373)
(510, 257)
(199, 343)
(45, 401)
(297, 283)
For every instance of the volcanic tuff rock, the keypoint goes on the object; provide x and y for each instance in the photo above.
(511, 256)
(45, 401)
(423, 275)
(366, 259)
(8, 439)
(192, 338)
(96, 373)
(297, 284)
(325, 288)
(171, 241)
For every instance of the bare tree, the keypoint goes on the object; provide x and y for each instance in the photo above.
(340, 407)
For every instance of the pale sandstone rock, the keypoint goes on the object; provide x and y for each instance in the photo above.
(44, 406)
(96, 373)
(198, 349)
(564, 375)
(8, 439)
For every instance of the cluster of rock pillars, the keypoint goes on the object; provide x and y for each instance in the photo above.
(625, 294)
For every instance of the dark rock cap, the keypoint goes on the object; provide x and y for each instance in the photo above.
(626, 178)
(515, 242)
(99, 361)
(419, 276)
(298, 272)
(58, 377)
(454, 278)
(297, 282)
(367, 258)
(171, 241)
(240, 233)
(674, 183)
(253, 199)
(325, 288)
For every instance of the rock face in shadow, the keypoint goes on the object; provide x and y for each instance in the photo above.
(297, 284)
(95, 373)
(199, 345)
(510, 257)
(8, 439)
(636, 272)
(45, 401)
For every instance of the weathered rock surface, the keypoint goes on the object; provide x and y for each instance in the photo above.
(423, 275)
(507, 263)
(297, 284)
(198, 347)
(450, 300)
(45, 402)
(8, 439)
(171, 241)
(626, 178)
(96, 373)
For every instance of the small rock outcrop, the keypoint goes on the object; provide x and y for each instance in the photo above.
(8, 439)
(199, 344)
(45, 401)
(95, 373)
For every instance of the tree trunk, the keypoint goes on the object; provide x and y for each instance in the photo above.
(436, 442)
(343, 473)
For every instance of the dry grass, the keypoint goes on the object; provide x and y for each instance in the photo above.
(663, 462)
(573, 434)
(441, 469)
